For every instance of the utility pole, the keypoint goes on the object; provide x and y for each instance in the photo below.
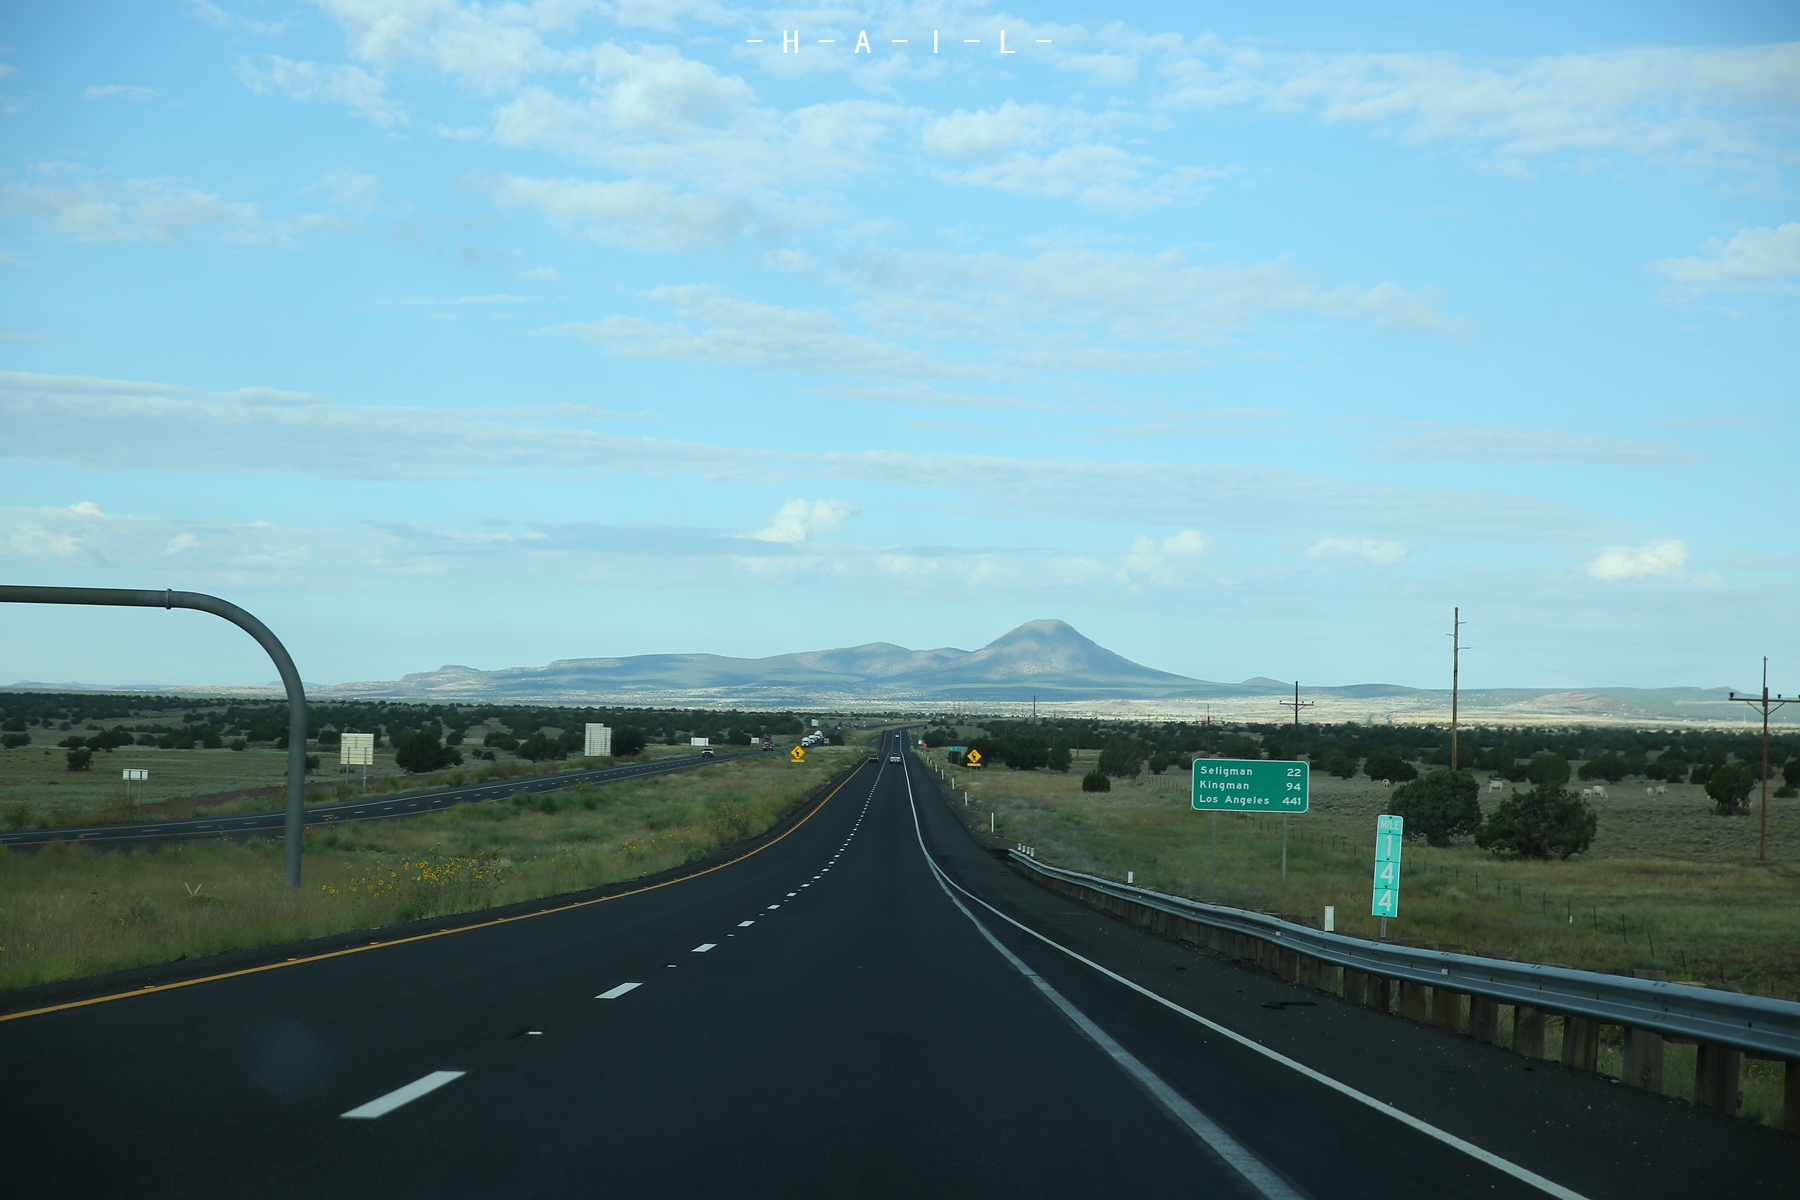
(1455, 675)
(1767, 704)
(1296, 704)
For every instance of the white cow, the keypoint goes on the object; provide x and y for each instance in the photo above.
(1587, 793)
(1494, 785)
(1662, 791)
(1599, 792)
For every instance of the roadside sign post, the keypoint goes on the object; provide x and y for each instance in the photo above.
(972, 758)
(135, 775)
(797, 754)
(356, 750)
(1389, 832)
(1250, 785)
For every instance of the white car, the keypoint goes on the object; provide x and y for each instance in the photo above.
(893, 758)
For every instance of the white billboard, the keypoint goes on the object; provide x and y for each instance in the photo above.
(598, 742)
(136, 774)
(356, 750)
(699, 741)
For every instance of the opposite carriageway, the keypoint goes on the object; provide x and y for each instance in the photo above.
(365, 808)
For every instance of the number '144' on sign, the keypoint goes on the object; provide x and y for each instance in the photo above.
(1388, 834)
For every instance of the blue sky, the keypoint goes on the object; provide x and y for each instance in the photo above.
(1248, 339)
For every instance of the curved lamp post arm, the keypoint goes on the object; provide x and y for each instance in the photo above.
(290, 678)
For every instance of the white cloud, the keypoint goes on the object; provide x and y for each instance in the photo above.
(641, 214)
(1071, 297)
(486, 46)
(1474, 443)
(353, 87)
(1378, 552)
(1662, 559)
(1102, 178)
(986, 134)
(353, 191)
(1662, 104)
(108, 424)
(798, 520)
(119, 91)
(720, 328)
(1164, 563)
(1755, 259)
(140, 209)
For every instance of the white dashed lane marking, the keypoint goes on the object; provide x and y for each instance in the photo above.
(383, 1105)
(745, 924)
(615, 993)
(703, 947)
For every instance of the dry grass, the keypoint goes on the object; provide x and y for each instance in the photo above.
(1666, 885)
(37, 790)
(69, 911)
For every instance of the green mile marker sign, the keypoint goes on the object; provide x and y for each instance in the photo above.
(1250, 785)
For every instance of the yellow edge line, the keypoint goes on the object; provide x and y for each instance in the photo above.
(150, 989)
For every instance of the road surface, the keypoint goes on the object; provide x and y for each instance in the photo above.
(866, 1004)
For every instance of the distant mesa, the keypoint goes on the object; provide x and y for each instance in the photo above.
(1048, 660)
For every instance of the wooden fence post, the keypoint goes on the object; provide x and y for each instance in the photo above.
(1356, 985)
(1446, 1009)
(1581, 1043)
(1413, 1003)
(1716, 1078)
(1528, 1031)
(1790, 1116)
(1381, 993)
(1643, 1060)
(1484, 1019)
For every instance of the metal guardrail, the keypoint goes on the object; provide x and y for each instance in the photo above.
(1762, 1027)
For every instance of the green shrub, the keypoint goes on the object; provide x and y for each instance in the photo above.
(1058, 759)
(81, 760)
(1384, 765)
(1730, 787)
(1096, 780)
(1548, 770)
(1549, 821)
(1439, 807)
(18, 814)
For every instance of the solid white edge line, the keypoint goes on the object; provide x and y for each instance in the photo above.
(615, 993)
(1523, 1174)
(1239, 1158)
(383, 1105)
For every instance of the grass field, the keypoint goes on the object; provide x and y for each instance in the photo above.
(37, 790)
(1666, 885)
(69, 912)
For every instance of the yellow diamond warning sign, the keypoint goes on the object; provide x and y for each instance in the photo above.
(973, 758)
(798, 754)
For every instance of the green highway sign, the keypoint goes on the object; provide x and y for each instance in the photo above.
(1250, 785)
(1388, 832)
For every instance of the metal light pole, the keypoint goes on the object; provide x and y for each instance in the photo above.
(290, 678)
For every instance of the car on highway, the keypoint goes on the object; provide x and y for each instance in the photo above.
(893, 758)
(706, 752)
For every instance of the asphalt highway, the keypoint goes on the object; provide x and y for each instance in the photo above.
(868, 1003)
(380, 807)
